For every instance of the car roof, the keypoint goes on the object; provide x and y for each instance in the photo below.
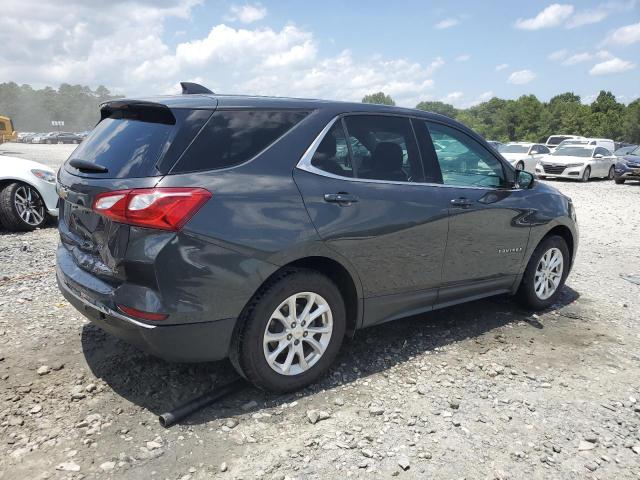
(255, 101)
(524, 144)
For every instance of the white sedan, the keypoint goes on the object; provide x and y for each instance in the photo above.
(577, 162)
(523, 155)
(27, 194)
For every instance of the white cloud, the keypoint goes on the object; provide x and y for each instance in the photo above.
(247, 13)
(577, 58)
(124, 48)
(463, 58)
(624, 36)
(521, 77)
(558, 55)
(452, 97)
(614, 65)
(483, 97)
(588, 17)
(552, 16)
(446, 23)
(501, 67)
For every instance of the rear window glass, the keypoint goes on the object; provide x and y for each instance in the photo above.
(139, 143)
(231, 137)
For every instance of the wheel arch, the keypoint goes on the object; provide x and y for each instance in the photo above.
(342, 275)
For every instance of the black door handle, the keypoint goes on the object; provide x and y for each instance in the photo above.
(461, 202)
(343, 198)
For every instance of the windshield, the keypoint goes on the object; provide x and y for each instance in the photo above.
(573, 152)
(513, 149)
(556, 140)
(573, 142)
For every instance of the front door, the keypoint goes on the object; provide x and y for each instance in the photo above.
(362, 191)
(488, 231)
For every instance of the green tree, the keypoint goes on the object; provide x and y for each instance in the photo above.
(631, 124)
(438, 107)
(379, 98)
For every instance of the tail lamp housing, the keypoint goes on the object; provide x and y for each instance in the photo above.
(163, 208)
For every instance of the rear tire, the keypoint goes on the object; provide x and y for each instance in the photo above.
(532, 293)
(619, 181)
(21, 208)
(296, 357)
(586, 175)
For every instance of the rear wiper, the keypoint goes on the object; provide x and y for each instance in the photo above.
(85, 166)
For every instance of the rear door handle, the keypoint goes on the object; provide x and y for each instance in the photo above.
(343, 198)
(461, 202)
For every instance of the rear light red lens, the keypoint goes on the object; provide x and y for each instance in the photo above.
(162, 208)
(135, 313)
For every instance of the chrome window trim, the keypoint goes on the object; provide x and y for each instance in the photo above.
(305, 162)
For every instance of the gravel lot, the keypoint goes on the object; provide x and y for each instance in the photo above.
(484, 390)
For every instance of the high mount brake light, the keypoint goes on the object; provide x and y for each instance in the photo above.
(162, 208)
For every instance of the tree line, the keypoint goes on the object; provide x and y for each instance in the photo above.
(33, 110)
(529, 119)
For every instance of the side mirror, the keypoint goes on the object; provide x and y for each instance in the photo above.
(524, 179)
(598, 155)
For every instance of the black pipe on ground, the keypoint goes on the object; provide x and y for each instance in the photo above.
(174, 416)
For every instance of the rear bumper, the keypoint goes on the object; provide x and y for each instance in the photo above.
(193, 342)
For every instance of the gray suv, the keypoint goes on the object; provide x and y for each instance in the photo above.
(265, 230)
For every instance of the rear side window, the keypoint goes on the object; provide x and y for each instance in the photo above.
(332, 155)
(384, 148)
(139, 142)
(231, 137)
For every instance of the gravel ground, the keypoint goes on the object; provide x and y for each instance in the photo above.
(485, 390)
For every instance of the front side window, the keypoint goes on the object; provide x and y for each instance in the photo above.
(463, 161)
(384, 148)
(332, 155)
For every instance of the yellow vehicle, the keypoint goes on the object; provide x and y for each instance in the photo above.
(7, 133)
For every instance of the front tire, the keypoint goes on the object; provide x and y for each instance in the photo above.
(586, 174)
(281, 351)
(21, 208)
(612, 173)
(545, 274)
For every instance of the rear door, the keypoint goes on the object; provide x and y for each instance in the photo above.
(488, 233)
(364, 190)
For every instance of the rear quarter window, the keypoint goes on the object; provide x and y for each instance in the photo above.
(231, 137)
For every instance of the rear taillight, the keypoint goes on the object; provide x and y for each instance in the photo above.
(163, 208)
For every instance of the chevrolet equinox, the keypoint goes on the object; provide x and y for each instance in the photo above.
(202, 226)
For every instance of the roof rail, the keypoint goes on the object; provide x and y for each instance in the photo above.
(190, 88)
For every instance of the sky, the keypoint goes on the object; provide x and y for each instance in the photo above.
(462, 52)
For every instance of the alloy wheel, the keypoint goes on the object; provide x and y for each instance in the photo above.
(548, 273)
(29, 205)
(298, 333)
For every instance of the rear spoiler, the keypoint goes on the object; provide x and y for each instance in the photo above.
(137, 110)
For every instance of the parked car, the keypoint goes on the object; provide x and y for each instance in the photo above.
(524, 155)
(577, 162)
(626, 150)
(249, 228)
(628, 167)
(599, 142)
(62, 137)
(27, 194)
(554, 140)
